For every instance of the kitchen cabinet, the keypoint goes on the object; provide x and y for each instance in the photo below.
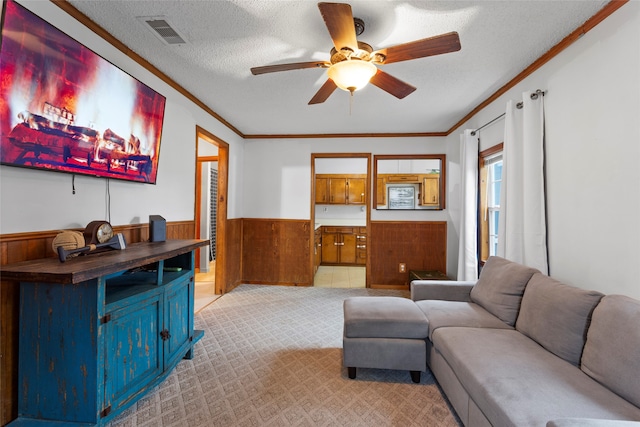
(338, 187)
(98, 332)
(361, 246)
(322, 190)
(334, 189)
(317, 249)
(356, 191)
(431, 190)
(381, 192)
(399, 178)
(339, 245)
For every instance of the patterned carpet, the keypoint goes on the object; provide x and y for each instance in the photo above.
(272, 356)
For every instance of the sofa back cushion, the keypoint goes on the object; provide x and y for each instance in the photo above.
(500, 287)
(557, 316)
(612, 352)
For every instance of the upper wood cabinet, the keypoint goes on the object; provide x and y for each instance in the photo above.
(322, 190)
(381, 194)
(431, 190)
(356, 191)
(334, 189)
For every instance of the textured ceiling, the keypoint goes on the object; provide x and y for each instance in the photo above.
(226, 38)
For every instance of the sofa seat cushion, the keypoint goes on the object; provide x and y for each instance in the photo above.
(500, 287)
(456, 313)
(516, 382)
(612, 351)
(557, 316)
(383, 317)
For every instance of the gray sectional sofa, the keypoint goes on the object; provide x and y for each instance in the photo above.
(517, 348)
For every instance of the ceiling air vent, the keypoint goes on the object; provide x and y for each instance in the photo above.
(162, 28)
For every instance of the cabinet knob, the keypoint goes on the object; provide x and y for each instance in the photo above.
(165, 335)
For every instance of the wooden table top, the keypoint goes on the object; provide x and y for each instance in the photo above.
(91, 266)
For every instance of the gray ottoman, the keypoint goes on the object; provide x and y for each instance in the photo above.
(384, 333)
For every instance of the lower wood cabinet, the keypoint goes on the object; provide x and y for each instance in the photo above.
(344, 246)
(317, 249)
(98, 332)
(361, 246)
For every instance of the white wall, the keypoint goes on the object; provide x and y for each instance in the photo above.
(40, 200)
(592, 135)
(277, 180)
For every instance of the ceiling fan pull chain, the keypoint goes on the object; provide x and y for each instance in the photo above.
(350, 101)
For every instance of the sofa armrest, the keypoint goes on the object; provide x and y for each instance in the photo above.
(590, 422)
(441, 289)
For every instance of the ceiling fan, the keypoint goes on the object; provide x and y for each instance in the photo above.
(353, 63)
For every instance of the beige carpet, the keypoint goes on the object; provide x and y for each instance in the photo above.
(272, 356)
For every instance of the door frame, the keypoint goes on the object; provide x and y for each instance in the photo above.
(312, 203)
(221, 218)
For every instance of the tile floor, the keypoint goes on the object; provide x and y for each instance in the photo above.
(340, 277)
(205, 289)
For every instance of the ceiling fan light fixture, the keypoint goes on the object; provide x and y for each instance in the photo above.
(352, 75)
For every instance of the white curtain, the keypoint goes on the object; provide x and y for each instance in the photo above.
(468, 245)
(522, 227)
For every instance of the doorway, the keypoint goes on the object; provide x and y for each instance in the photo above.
(212, 159)
(340, 195)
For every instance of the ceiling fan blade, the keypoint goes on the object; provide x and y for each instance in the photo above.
(287, 67)
(444, 43)
(339, 21)
(390, 84)
(325, 91)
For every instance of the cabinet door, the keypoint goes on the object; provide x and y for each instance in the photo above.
(317, 248)
(322, 190)
(356, 187)
(431, 190)
(338, 191)
(381, 192)
(330, 247)
(348, 249)
(178, 319)
(133, 350)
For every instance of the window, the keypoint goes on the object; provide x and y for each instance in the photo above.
(490, 169)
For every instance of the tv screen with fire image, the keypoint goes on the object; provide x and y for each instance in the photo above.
(65, 108)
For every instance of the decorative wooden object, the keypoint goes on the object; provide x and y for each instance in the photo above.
(97, 332)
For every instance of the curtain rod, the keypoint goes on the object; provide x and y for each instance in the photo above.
(534, 95)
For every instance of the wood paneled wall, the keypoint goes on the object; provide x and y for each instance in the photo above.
(276, 252)
(28, 246)
(233, 255)
(419, 245)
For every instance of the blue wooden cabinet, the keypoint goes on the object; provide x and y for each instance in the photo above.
(99, 331)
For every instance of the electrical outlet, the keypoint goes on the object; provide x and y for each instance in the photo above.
(402, 267)
(325, 209)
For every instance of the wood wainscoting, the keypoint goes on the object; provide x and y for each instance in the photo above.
(276, 252)
(419, 245)
(35, 245)
(232, 268)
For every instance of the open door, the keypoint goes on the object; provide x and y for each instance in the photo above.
(340, 200)
(212, 154)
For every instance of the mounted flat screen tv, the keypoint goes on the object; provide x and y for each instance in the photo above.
(65, 108)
